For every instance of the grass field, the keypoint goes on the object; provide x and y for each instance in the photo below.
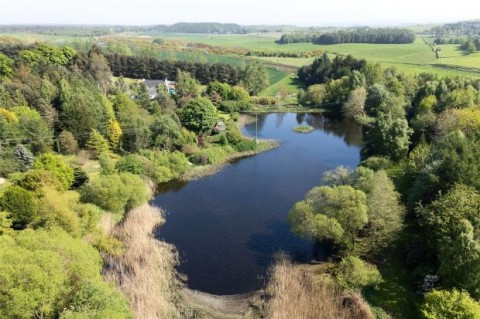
(409, 58)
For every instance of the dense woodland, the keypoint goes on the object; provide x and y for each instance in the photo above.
(150, 68)
(366, 35)
(464, 28)
(418, 181)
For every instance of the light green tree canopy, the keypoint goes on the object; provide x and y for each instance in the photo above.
(332, 213)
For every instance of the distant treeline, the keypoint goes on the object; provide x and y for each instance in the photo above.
(85, 31)
(366, 35)
(70, 30)
(205, 27)
(150, 68)
(465, 28)
(297, 37)
(383, 36)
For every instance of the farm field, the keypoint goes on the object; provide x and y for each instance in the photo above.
(410, 58)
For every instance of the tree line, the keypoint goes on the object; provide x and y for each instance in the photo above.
(92, 31)
(150, 68)
(365, 35)
(464, 28)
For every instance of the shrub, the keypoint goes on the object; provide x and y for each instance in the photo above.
(132, 163)
(234, 106)
(190, 149)
(20, 204)
(55, 164)
(97, 144)
(115, 193)
(238, 93)
(263, 100)
(96, 299)
(8, 163)
(215, 154)
(107, 166)
(354, 273)
(440, 304)
(24, 157)
(80, 177)
(245, 146)
(36, 179)
(68, 143)
(377, 163)
(234, 135)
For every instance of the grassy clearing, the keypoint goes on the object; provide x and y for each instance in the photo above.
(288, 85)
(303, 129)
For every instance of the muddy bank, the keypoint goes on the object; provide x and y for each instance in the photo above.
(221, 307)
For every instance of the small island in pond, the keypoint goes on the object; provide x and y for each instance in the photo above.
(303, 129)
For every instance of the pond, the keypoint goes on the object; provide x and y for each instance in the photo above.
(228, 226)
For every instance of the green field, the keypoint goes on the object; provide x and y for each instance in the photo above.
(410, 58)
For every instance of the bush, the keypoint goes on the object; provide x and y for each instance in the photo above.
(377, 163)
(132, 163)
(165, 165)
(354, 273)
(190, 149)
(107, 166)
(234, 135)
(80, 177)
(215, 154)
(96, 299)
(55, 164)
(263, 100)
(24, 157)
(68, 143)
(115, 193)
(238, 93)
(8, 163)
(245, 146)
(440, 304)
(36, 179)
(20, 204)
(234, 106)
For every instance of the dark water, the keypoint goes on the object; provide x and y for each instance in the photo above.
(227, 226)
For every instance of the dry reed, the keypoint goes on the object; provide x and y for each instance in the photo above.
(145, 273)
(294, 293)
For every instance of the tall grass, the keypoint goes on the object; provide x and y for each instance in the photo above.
(294, 293)
(145, 273)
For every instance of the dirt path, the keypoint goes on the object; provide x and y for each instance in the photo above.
(220, 307)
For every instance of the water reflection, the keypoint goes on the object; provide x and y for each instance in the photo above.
(228, 226)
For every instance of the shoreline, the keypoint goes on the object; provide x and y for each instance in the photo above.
(264, 145)
(208, 170)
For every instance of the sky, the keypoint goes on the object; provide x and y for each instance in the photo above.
(246, 12)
